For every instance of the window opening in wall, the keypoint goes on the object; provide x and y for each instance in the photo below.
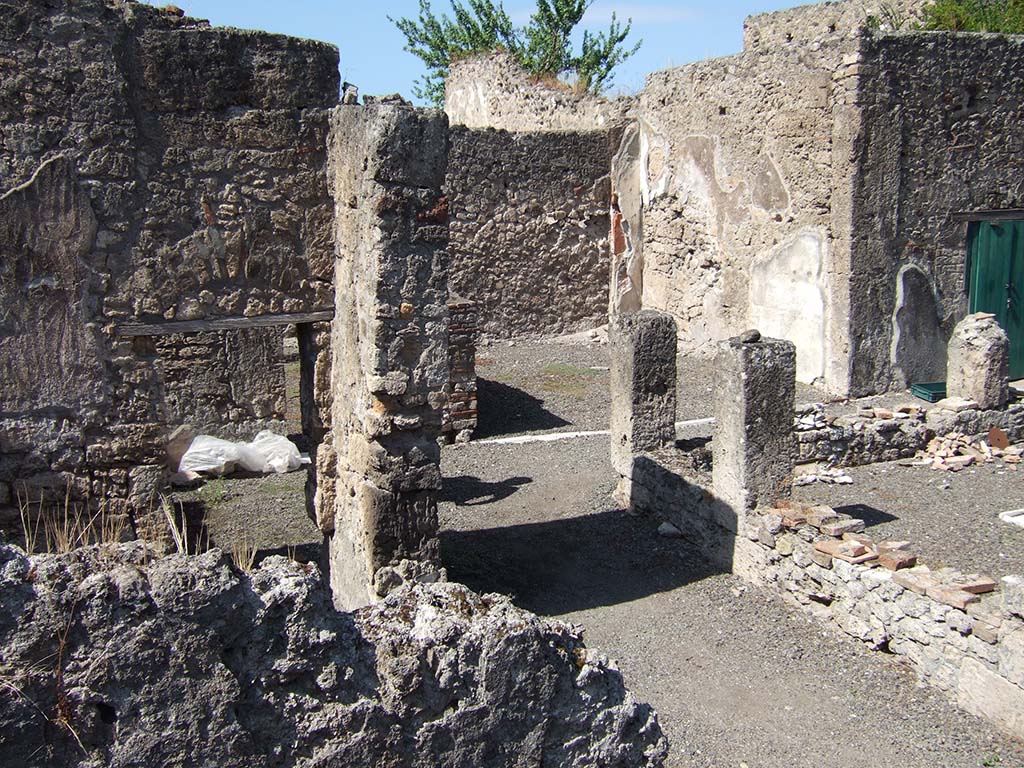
(233, 385)
(996, 279)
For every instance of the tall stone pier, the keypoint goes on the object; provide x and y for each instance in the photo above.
(754, 448)
(643, 388)
(390, 341)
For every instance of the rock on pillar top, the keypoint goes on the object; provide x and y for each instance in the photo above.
(643, 385)
(754, 448)
(979, 361)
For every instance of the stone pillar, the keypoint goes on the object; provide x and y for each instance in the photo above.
(754, 448)
(978, 361)
(643, 386)
(389, 367)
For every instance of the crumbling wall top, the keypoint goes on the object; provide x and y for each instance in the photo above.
(492, 91)
(823, 23)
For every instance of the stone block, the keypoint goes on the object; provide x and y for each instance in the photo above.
(978, 362)
(754, 448)
(1013, 596)
(1011, 654)
(643, 386)
(986, 694)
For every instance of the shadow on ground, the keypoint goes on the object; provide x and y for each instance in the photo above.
(469, 491)
(572, 564)
(870, 515)
(504, 410)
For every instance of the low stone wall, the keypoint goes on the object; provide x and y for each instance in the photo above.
(961, 636)
(854, 440)
(114, 656)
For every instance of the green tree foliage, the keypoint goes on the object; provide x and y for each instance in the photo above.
(543, 47)
(1005, 16)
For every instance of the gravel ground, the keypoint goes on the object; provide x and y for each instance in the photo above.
(737, 676)
(951, 518)
(528, 387)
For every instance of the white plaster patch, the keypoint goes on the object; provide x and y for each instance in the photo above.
(787, 299)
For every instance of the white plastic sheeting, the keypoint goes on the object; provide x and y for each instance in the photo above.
(266, 453)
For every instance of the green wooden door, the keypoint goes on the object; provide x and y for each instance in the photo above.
(997, 280)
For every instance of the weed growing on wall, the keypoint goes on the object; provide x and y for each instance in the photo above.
(1006, 16)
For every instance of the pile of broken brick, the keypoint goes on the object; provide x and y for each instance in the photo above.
(841, 537)
(957, 451)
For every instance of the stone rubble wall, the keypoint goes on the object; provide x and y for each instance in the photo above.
(390, 366)
(854, 440)
(154, 169)
(115, 656)
(961, 638)
(813, 25)
(213, 381)
(939, 130)
(529, 228)
(493, 91)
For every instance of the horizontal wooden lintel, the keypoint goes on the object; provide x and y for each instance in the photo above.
(1005, 214)
(221, 323)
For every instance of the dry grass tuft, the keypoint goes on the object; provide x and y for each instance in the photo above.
(243, 553)
(59, 529)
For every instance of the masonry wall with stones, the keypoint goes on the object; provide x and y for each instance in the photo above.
(813, 186)
(528, 219)
(390, 369)
(963, 633)
(493, 91)
(939, 136)
(156, 170)
(733, 179)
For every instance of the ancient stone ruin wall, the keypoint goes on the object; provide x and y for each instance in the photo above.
(390, 348)
(156, 171)
(493, 91)
(822, 23)
(120, 657)
(735, 164)
(529, 226)
(939, 136)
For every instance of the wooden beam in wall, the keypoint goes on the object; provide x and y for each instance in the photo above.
(222, 324)
(1006, 214)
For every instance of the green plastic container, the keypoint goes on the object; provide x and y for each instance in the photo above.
(931, 392)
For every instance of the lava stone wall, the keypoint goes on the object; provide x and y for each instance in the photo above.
(153, 169)
(528, 218)
(940, 135)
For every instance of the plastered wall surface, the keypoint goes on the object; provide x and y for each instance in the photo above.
(736, 163)
(529, 228)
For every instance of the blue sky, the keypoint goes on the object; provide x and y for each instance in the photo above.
(371, 47)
